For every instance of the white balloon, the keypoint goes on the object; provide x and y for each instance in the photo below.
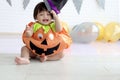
(85, 32)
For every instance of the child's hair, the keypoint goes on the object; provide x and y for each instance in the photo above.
(38, 8)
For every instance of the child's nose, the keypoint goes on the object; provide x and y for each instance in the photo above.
(45, 15)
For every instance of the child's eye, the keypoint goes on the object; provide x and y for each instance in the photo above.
(41, 14)
(48, 14)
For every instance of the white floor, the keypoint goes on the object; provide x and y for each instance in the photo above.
(94, 61)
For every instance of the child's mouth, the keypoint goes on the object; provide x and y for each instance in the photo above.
(45, 20)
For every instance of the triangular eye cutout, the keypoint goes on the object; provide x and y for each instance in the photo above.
(44, 42)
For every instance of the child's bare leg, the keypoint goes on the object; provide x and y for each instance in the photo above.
(55, 57)
(43, 58)
(32, 55)
(52, 58)
(24, 59)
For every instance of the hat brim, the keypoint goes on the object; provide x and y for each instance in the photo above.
(50, 6)
(47, 5)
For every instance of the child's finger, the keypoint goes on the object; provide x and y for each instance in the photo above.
(27, 27)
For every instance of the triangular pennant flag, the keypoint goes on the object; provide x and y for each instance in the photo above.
(101, 3)
(77, 4)
(9, 2)
(25, 3)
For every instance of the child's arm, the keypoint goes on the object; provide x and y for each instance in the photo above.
(57, 21)
(29, 31)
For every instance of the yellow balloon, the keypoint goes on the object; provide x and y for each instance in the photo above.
(65, 25)
(112, 32)
(101, 31)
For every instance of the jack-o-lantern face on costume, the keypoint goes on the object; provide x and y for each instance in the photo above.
(45, 43)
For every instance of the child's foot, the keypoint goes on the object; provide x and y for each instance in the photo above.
(20, 60)
(43, 58)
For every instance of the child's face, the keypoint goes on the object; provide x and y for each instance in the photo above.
(44, 17)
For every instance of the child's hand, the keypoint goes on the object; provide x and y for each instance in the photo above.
(54, 14)
(28, 28)
(29, 31)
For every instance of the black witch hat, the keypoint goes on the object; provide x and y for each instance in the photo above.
(55, 5)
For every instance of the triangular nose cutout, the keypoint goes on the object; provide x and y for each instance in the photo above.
(44, 42)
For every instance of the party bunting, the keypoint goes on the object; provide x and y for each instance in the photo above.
(101, 3)
(77, 4)
(9, 2)
(25, 3)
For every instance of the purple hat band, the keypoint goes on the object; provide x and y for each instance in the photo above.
(53, 7)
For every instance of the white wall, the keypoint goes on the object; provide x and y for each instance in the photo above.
(13, 19)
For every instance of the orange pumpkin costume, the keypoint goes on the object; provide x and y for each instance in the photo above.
(48, 41)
